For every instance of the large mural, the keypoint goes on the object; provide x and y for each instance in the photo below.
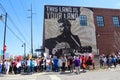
(64, 29)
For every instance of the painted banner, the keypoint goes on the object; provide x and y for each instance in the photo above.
(67, 27)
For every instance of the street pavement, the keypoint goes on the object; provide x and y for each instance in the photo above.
(99, 74)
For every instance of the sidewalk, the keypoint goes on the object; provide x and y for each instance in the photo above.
(41, 73)
(22, 74)
(117, 68)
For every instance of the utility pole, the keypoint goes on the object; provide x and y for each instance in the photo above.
(31, 30)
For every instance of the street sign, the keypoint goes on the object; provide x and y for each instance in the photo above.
(5, 48)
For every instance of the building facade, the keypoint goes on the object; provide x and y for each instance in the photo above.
(81, 29)
(107, 23)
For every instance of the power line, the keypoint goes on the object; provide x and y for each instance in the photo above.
(22, 5)
(2, 8)
(35, 4)
(24, 8)
(13, 22)
(17, 29)
(18, 20)
(14, 33)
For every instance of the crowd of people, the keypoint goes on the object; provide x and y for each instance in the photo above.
(109, 60)
(48, 64)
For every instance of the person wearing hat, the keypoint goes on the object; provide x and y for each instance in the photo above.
(66, 39)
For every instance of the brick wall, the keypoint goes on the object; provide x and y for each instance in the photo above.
(106, 39)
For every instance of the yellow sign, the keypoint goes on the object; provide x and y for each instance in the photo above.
(30, 56)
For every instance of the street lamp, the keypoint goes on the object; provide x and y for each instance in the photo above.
(24, 45)
(4, 41)
(97, 35)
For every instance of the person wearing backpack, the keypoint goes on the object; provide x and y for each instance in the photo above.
(114, 61)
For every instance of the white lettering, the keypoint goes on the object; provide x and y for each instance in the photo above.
(72, 15)
(66, 9)
(75, 9)
(52, 9)
(54, 15)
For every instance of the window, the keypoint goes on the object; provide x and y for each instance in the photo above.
(116, 21)
(83, 20)
(100, 21)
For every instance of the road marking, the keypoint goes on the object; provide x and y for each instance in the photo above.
(54, 77)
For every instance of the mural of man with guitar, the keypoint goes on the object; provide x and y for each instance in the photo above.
(65, 40)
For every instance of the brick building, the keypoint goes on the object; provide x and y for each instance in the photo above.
(107, 29)
(95, 27)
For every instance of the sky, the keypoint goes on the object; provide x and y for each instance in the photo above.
(19, 22)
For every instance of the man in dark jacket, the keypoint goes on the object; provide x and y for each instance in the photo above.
(65, 40)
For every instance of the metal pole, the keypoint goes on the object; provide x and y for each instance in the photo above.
(97, 35)
(4, 35)
(31, 33)
(24, 50)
